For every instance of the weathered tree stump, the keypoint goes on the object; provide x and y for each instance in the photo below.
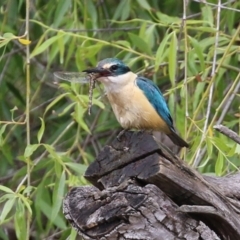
(142, 191)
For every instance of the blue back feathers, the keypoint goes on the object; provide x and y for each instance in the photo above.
(156, 98)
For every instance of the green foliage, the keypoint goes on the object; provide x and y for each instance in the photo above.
(47, 140)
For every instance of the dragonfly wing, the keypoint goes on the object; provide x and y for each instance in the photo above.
(71, 77)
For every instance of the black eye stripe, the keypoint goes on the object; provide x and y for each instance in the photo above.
(114, 67)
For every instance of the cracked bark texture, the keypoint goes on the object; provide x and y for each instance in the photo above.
(142, 191)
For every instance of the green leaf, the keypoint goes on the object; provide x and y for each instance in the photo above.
(237, 149)
(161, 51)
(209, 147)
(58, 168)
(78, 116)
(7, 196)
(199, 51)
(26, 201)
(204, 163)
(144, 4)
(6, 189)
(209, 42)
(12, 112)
(192, 68)
(232, 151)
(44, 46)
(205, 29)
(56, 100)
(20, 221)
(93, 14)
(4, 42)
(123, 43)
(149, 36)
(77, 167)
(123, 10)
(219, 164)
(166, 19)
(44, 205)
(67, 108)
(2, 130)
(142, 30)
(58, 195)
(90, 51)
(41, 130)
(73, 234)
(51, 151)
(61, 47)
(139, 43)
(195, 22)
(29, 190)
(7, 208)
(70, 50)
(220, 144)
(30, 149)
(172, 58)
(199, 89)
(98, 103)
(208, 15)
(9, 36)
(61, 8)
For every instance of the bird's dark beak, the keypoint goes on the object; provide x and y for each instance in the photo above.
(100, 71)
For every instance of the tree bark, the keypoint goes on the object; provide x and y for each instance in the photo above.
(142, 191)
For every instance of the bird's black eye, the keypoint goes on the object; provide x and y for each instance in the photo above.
(114, 67)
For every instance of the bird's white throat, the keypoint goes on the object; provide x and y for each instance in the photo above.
(117, 83)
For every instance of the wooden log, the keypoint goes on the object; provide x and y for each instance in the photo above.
(143, 191)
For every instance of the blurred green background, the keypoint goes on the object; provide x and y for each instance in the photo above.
(47, 139)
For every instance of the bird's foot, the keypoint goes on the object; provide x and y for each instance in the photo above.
(146, 131)
(119, 136)
(150, 132)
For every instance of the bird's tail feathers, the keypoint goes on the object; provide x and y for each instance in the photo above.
(176, 139)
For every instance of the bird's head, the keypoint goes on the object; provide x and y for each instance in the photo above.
(110, 71)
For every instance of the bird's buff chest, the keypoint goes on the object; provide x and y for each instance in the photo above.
(133, 110)
(123, 105)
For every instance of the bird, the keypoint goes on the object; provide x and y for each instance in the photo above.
(137, 102)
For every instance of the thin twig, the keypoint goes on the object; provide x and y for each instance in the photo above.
(212, 86)
(101, 29)
(28, 111)
(218, 6)
(185, 4)
(227, 132)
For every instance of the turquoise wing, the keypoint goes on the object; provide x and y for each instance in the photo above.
(155, 97)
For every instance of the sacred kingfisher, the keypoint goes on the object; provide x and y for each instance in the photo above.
(136, 101)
